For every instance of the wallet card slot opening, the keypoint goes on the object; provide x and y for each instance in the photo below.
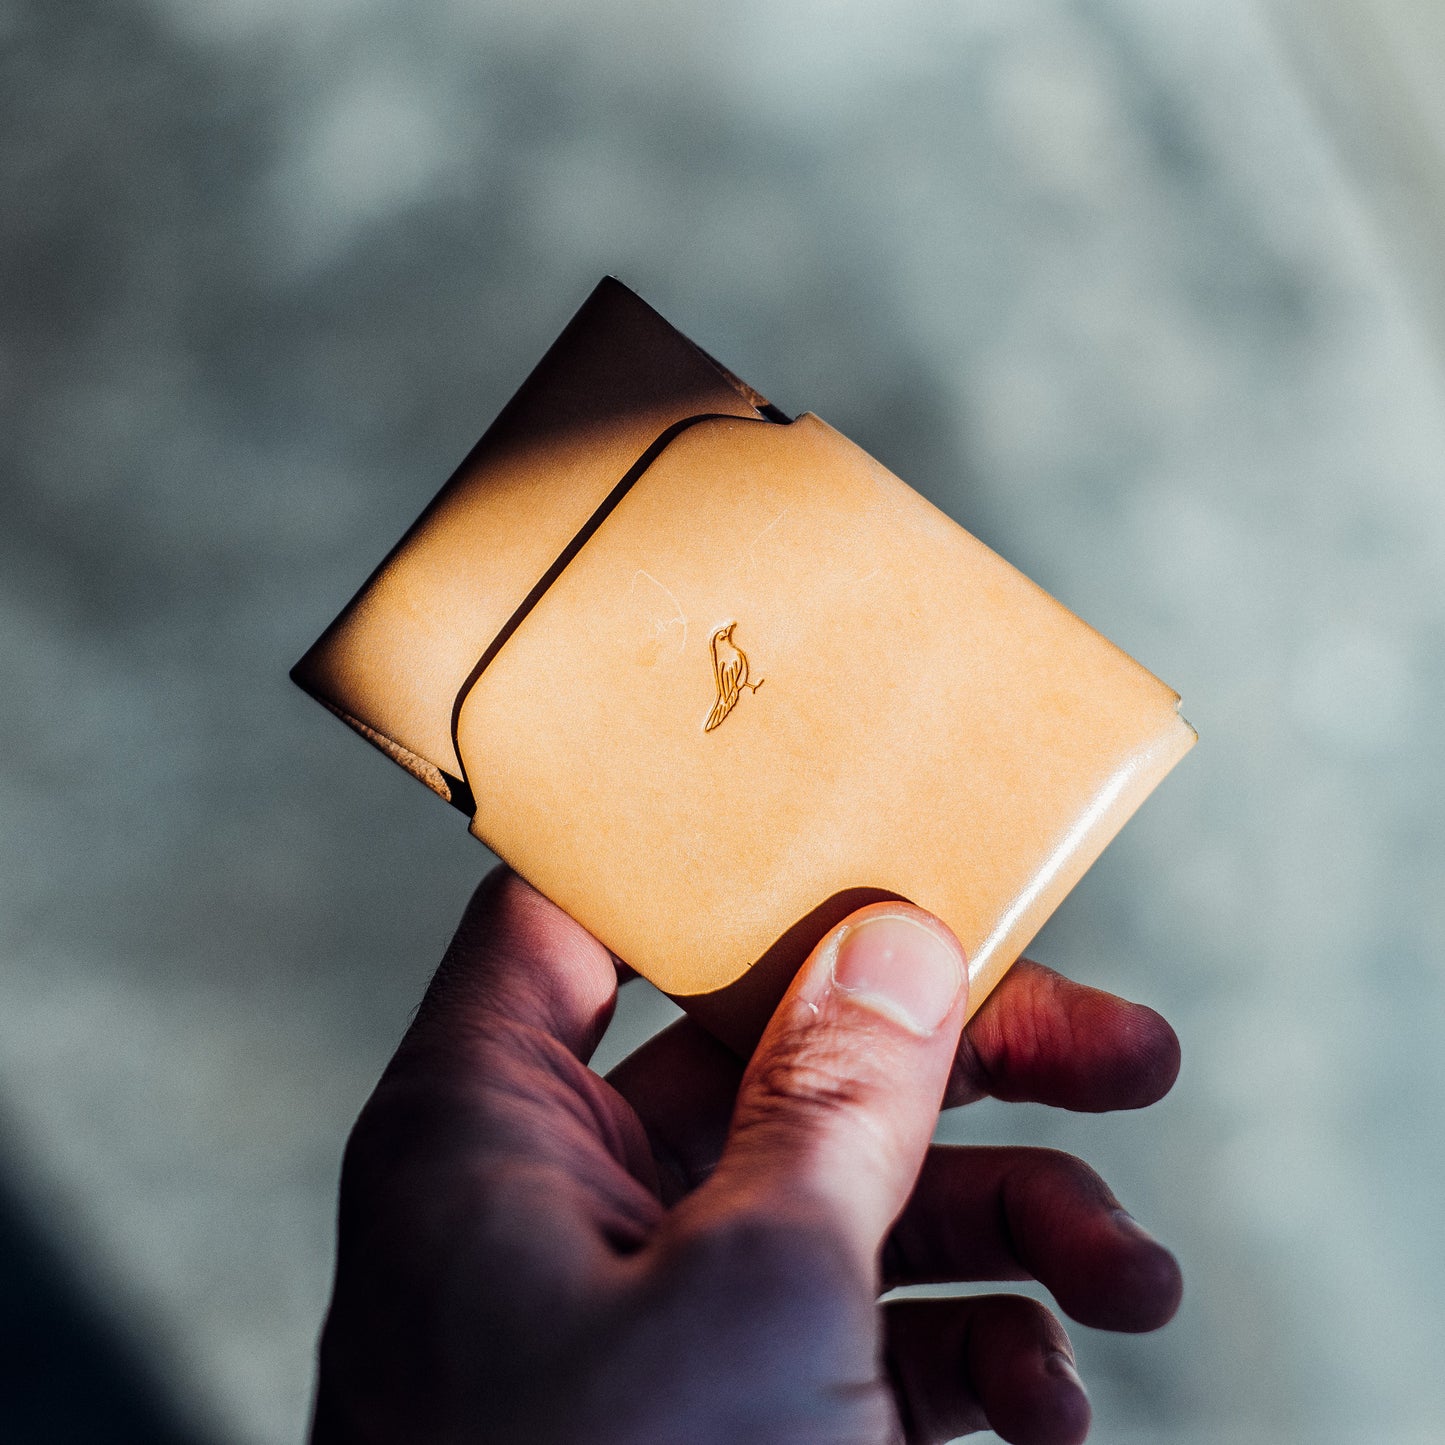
(444, 784)
(750, 394)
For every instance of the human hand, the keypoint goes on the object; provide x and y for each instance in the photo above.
(693, 1251)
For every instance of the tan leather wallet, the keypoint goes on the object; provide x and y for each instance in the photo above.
(711, 678)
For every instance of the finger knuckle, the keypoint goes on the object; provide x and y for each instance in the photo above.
(807, 1079)
(1056, 1173)
(817, 1095)
(1028, 1319)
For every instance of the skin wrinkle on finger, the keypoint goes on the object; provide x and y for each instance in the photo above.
(564, 1077)
(1042, 1038)
(598, 1113)
(489, 968)
(803, 1099)
(574, 1004)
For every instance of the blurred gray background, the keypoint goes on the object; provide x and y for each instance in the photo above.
(1144, 292)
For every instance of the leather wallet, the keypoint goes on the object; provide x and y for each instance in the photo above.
(711, 678)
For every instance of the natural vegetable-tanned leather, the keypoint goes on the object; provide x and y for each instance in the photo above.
(710, 679)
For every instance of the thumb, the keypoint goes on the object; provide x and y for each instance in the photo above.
(838, 1104)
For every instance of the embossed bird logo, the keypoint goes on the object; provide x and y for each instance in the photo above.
(730, 672)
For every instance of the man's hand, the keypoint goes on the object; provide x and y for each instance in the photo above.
(693, 1251)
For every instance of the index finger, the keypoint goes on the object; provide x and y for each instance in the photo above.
(518, 964)
(493, 1070)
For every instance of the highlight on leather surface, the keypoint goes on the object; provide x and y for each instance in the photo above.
(573, 640)
(584, 422)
